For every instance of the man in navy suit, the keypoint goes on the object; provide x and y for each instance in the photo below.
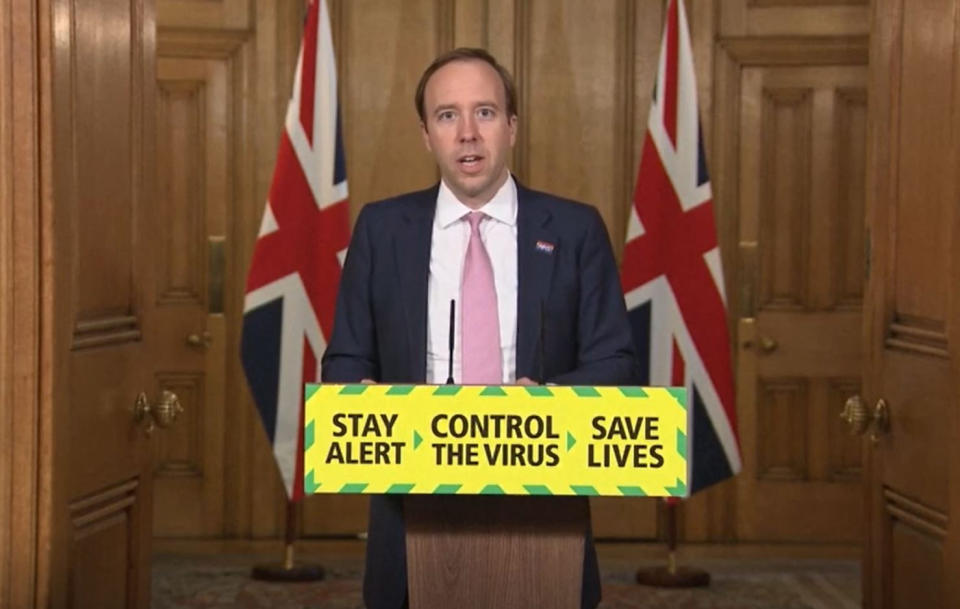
(410, 255)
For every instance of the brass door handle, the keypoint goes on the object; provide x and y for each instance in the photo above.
(767, 344)
(200, 341)
(162, 414)
(860, 419)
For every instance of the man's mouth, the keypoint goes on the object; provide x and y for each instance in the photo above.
(470, 161)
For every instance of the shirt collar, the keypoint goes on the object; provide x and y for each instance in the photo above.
(502, 207)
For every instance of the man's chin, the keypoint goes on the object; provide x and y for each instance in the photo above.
(470, 189)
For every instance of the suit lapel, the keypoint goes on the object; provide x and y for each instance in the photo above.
(412, 253)
(537, 247)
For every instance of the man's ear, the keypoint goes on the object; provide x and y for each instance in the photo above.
(513, 130)
(425, 135)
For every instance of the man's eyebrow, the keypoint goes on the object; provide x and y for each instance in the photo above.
(481, 104)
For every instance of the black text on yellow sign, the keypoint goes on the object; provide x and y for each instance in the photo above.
(505, 440)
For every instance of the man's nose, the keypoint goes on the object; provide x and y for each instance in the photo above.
(468, 129)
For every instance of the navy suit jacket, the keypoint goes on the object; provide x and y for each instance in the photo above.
(380, 328)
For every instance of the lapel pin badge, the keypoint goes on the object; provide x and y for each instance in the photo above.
(545, 246)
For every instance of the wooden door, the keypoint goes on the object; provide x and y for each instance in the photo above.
(801, 241)
(912, 329)
(193, 185)
(98, 260)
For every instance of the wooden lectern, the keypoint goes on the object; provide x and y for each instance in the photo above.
(504, 552)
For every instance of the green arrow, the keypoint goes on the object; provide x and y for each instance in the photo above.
(570, 441)
(416, 440)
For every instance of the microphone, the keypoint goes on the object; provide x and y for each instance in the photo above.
(453, 309)
(543, 334)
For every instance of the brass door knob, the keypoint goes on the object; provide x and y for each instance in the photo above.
(167, 409)
(856, 415)
(162, 414)
(200, 341)
(860, 419)
(768, 345)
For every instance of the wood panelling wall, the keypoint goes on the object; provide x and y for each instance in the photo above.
(19, 305)
(782, 103)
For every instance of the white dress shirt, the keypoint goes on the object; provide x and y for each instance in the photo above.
(451, 233)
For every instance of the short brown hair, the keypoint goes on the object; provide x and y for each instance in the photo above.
(467, 54)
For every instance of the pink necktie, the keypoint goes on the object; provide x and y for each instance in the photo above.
(480, 324)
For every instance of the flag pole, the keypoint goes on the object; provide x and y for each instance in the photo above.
(672, 575)
(291, 199)
(288, 570)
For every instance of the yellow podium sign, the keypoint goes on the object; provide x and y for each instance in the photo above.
(510, 440)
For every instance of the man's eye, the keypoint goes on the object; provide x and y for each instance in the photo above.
(445, 116)
(486, 113)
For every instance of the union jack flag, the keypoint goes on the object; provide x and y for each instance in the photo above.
(292, 283)
(671, 273)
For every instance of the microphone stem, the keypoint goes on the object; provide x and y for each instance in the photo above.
(453, 309)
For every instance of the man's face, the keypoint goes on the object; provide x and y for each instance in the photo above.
(467, 129)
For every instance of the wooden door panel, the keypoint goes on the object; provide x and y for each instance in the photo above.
(916, 550)
(103, 272)
(181, 146)
(105, 532)
(97, 246)
(794, 17)
(915, 454)
(106, 380)
(802, 142)
(923, 156)
(913, 549)
(104, 140)
(194, 185)
(836, 354)
(799, 450)
(102, 284)
(377, 82)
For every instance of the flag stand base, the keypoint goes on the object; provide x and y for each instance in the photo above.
(279, 573)
(672, 576)
(288, 570)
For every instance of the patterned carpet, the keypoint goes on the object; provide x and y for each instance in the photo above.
(219, 582)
